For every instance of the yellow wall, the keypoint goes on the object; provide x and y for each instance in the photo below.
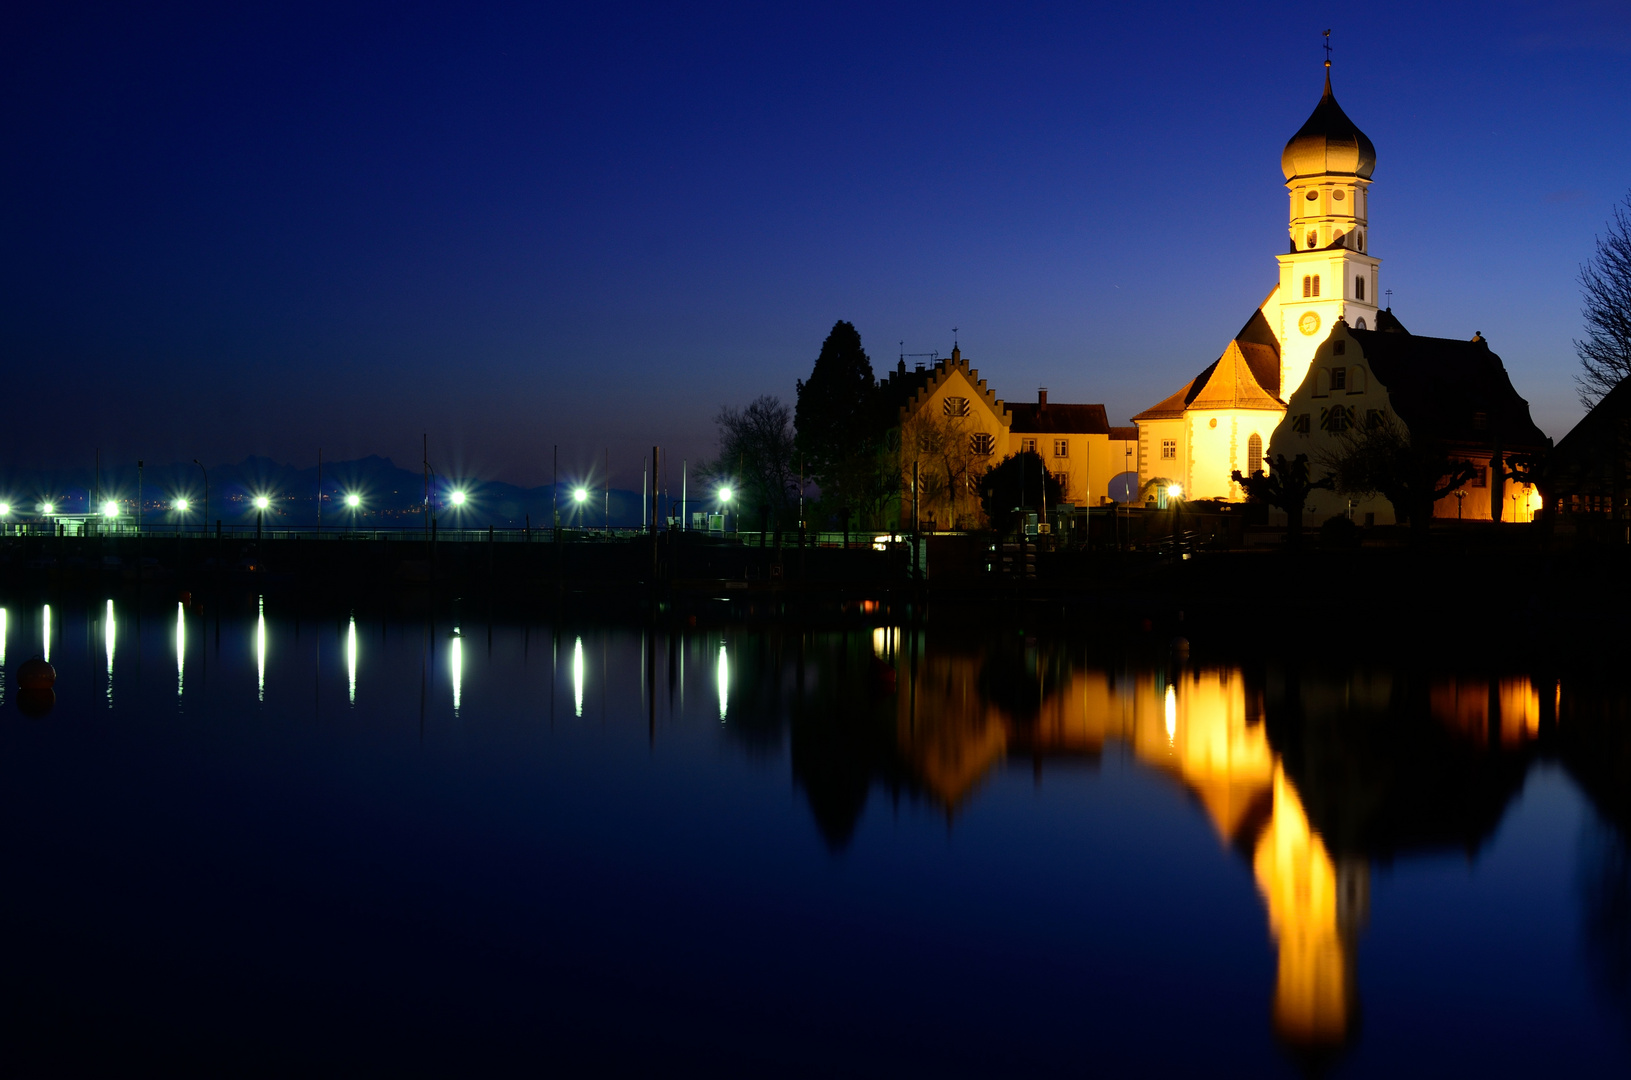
(1091, 463)
(1210, 444)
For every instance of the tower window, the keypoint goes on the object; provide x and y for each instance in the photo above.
(1361, 239)
(1359, 287)
(1254, 455)
(1316, 285)
(1340, 348)
(1312, 195)
(1338, 196)
(1313, 238)
(1339, 378)
(1308, 286)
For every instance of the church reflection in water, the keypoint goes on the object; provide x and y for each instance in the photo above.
(1312, 776)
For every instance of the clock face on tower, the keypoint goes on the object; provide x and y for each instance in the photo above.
(1309, 323)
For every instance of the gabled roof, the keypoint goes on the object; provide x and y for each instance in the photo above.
(918, 386)
(1592, 456)
(1029, 417)
(1124, 434)
(1230, 383)
(1453, 391)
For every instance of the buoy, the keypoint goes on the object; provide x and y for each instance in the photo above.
(36, 674)
(35, 702)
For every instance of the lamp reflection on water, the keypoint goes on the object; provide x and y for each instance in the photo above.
(456, 661)
(577, 677)
(1172, 713)
(2, 639)
(46, 619)
(109, 632)
(351, 661)
(181, 644)
(724, 682)
(260, 650)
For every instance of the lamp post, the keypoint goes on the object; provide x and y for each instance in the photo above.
(261, 503)
(352, 502)
(205, 523)
(725, 502)
(1175, 492)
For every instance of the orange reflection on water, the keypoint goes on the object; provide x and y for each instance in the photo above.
(1491, 712)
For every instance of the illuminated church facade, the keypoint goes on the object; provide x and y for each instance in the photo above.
(1234, 415)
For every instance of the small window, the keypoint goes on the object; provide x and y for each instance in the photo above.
(1312, 195)
(1375, 418)
(1360, 325)
(1027, 446)
(1361, 239)
(1061, 448)
(1316, 284)
(1169, 448)
(954, 406)
(981, 443)
(1299, 423)
(1313, 238)
(1480, 478)
(1340, 348)
(1254, 455)
(1339, 378)
(1337, 419)
(1480, 421)
(1338, 196)
(1359, 288)
(1308, 286)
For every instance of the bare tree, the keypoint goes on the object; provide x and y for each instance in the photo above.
(943, 447)
(1286, 487)
(1605, 282)
(1384, 459)
(756, 458)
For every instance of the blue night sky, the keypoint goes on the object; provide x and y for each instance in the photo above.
(244, 229)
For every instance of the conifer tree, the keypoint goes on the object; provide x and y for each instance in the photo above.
(834, 418)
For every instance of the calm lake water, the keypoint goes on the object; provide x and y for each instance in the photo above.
(261, 840)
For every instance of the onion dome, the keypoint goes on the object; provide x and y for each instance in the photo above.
(1329, 143)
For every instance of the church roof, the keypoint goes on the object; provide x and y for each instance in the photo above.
(1231, 382)
(1328, 144)
(1031, 418)
(1452, 391)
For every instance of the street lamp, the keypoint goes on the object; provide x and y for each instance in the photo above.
(353, 501)
(110, 509)
(261, 503)
(181, 505)
(457, 498)
(725, 502)
(580, 495)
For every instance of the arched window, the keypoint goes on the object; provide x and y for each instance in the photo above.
(1254, 455)
(1359, 287)
(1316, 284)
(1308, 285)
(1361, 325)
(1361, 239)
(1313, 238)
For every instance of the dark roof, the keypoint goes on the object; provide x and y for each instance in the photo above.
(1387, 323)
(1328, 144)
(1441, 387)
(1124, 434)
(1030, 417)
(1588, 457)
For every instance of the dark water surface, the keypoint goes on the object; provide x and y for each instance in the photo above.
(245, 841)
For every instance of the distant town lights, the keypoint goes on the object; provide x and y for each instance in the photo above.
(353, 501)
(262, 502)
(457, 498)
(110, 509)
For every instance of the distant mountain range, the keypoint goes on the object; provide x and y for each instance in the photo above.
(390, 495)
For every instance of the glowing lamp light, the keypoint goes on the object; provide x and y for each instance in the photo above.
(5, 508)
(580, 494)
(182, 504)
(724, 494)
(1175, 491)
(353, 501)
(457, 498)
(110, 509)
(47, 509)
(262, 502)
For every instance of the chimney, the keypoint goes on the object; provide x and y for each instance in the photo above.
(1042, 397)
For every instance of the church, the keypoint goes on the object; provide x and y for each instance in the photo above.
(1266, 394)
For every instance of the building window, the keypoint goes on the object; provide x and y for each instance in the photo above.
(1313, 238)
(981, 443)
(1308, 286)
(1169, 448)
(954, 406)
(1361, 324)
(1027, 446)
(1061, 448)
(1375, 418)
(1340, 348)
(1316, 284)
(1299, 423)
(1313, 195)
(1337, 419)
(1480, 478)
(1337, 195)
(1254, 455)
(1359, 287)
(1361, 239)
(1339, 378)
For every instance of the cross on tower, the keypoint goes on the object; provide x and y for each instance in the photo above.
(1328, 48)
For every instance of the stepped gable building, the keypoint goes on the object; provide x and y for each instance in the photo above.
(955, 428)
(1454, 394)
(1234, 416)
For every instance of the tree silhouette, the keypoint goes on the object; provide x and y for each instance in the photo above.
(1605, 282)
(1411, 474)
(836, 420)
(1019, 480)
(1285, 487)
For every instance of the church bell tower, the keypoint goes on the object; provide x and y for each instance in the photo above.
(1327, 272)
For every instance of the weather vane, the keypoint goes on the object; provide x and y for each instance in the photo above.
(954, 337)
(1328, 48)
